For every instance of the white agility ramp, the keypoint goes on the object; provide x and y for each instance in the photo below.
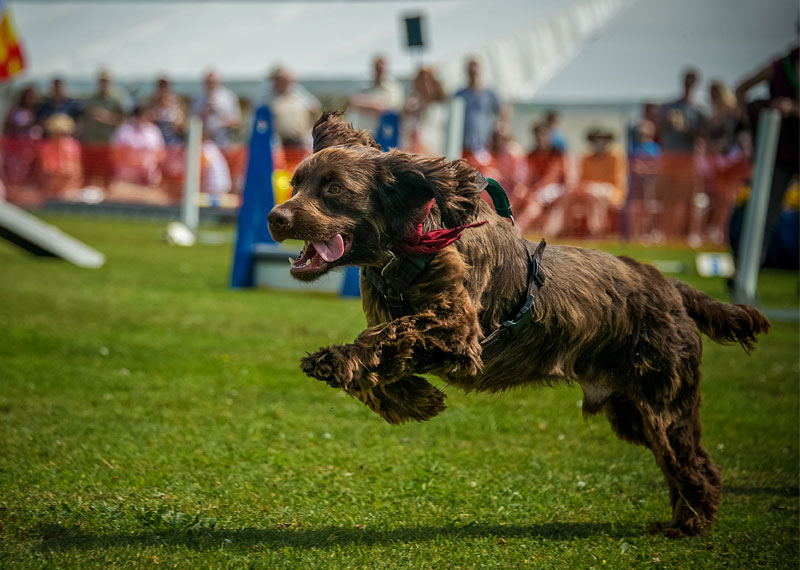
(40, 238)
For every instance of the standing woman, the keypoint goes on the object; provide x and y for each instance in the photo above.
(726, 164)
(21, 135)
(168, 114)
(423, 115)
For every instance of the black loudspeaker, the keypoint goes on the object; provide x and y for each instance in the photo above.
(414, 37)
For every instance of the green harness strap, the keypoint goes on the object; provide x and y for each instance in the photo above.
(790, 73)
(499, 198)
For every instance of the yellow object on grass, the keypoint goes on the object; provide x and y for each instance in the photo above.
(281, 185)
(791, 200)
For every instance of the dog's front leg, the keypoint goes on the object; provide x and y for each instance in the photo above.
(444, 341)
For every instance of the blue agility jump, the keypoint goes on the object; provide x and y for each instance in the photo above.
(258, 199)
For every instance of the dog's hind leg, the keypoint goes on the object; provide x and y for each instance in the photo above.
(673, 433)
(694, 480)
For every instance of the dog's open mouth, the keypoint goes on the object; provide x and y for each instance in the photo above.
(318, 255)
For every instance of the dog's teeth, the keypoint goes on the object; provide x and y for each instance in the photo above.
(291, 261)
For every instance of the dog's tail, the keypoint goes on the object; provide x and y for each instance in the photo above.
(722, 322)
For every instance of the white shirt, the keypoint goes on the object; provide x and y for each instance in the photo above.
(216, 176)
(389, 95)
(223, 108)
(292, 115)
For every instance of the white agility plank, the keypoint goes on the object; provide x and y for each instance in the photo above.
(31, 233)
(715, 264)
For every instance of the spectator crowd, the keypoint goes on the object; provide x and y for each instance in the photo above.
(677, 179)
(60, 145)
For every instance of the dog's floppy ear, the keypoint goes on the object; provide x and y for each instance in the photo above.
(455, 186)
(332, 130)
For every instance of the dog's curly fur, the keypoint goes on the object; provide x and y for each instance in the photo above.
(617, 327)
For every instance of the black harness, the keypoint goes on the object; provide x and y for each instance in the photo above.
(535, 281)
(394, 278)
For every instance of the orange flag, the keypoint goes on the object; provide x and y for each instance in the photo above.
(12, 58)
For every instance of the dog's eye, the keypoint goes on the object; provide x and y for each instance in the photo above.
(334, 189)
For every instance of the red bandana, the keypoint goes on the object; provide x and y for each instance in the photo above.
(434, 240)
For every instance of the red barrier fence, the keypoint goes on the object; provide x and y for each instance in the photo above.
(60, 168)
(651, 198)
(648, 197)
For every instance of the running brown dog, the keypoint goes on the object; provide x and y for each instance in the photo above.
(617, 327)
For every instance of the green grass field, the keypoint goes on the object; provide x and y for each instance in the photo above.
(151, 416)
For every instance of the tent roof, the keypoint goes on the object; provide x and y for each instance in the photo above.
(244, 39)
(547, 50)
(640, 54)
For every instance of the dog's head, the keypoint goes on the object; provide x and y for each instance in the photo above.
(350, 204)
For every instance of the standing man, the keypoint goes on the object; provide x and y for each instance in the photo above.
(551, 120)
(294, 111)
(781, 76)
(682, 125)
(167, 112)
(58, 103)
(483, 108)
(384, 94)
(102, 114)
(219, 108)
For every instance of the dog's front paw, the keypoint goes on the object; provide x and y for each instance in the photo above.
(331, 365)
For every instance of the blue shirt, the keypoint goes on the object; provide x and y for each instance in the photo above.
(649, 149)
(693, 119)
(558, 140)
(66, 106)
(482, 107)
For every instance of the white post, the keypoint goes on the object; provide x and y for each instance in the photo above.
(454, 141)
(752, 239)
(190, 203)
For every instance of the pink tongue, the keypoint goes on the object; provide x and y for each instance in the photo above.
(330, 250)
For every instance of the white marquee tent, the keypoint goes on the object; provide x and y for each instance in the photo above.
(533, 50)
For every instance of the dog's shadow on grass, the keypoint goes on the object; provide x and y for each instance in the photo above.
(60, 538)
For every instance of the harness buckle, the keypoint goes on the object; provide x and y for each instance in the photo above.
(394, 259)
(523, 316)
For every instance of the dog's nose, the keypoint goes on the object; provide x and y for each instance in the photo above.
(279, 218)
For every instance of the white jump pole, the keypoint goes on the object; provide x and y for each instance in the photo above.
(751, 243)
(454, 140)
(190, 202)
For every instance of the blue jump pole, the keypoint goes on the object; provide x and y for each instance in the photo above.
(351, 287)
(257, 200)
(388, 132)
